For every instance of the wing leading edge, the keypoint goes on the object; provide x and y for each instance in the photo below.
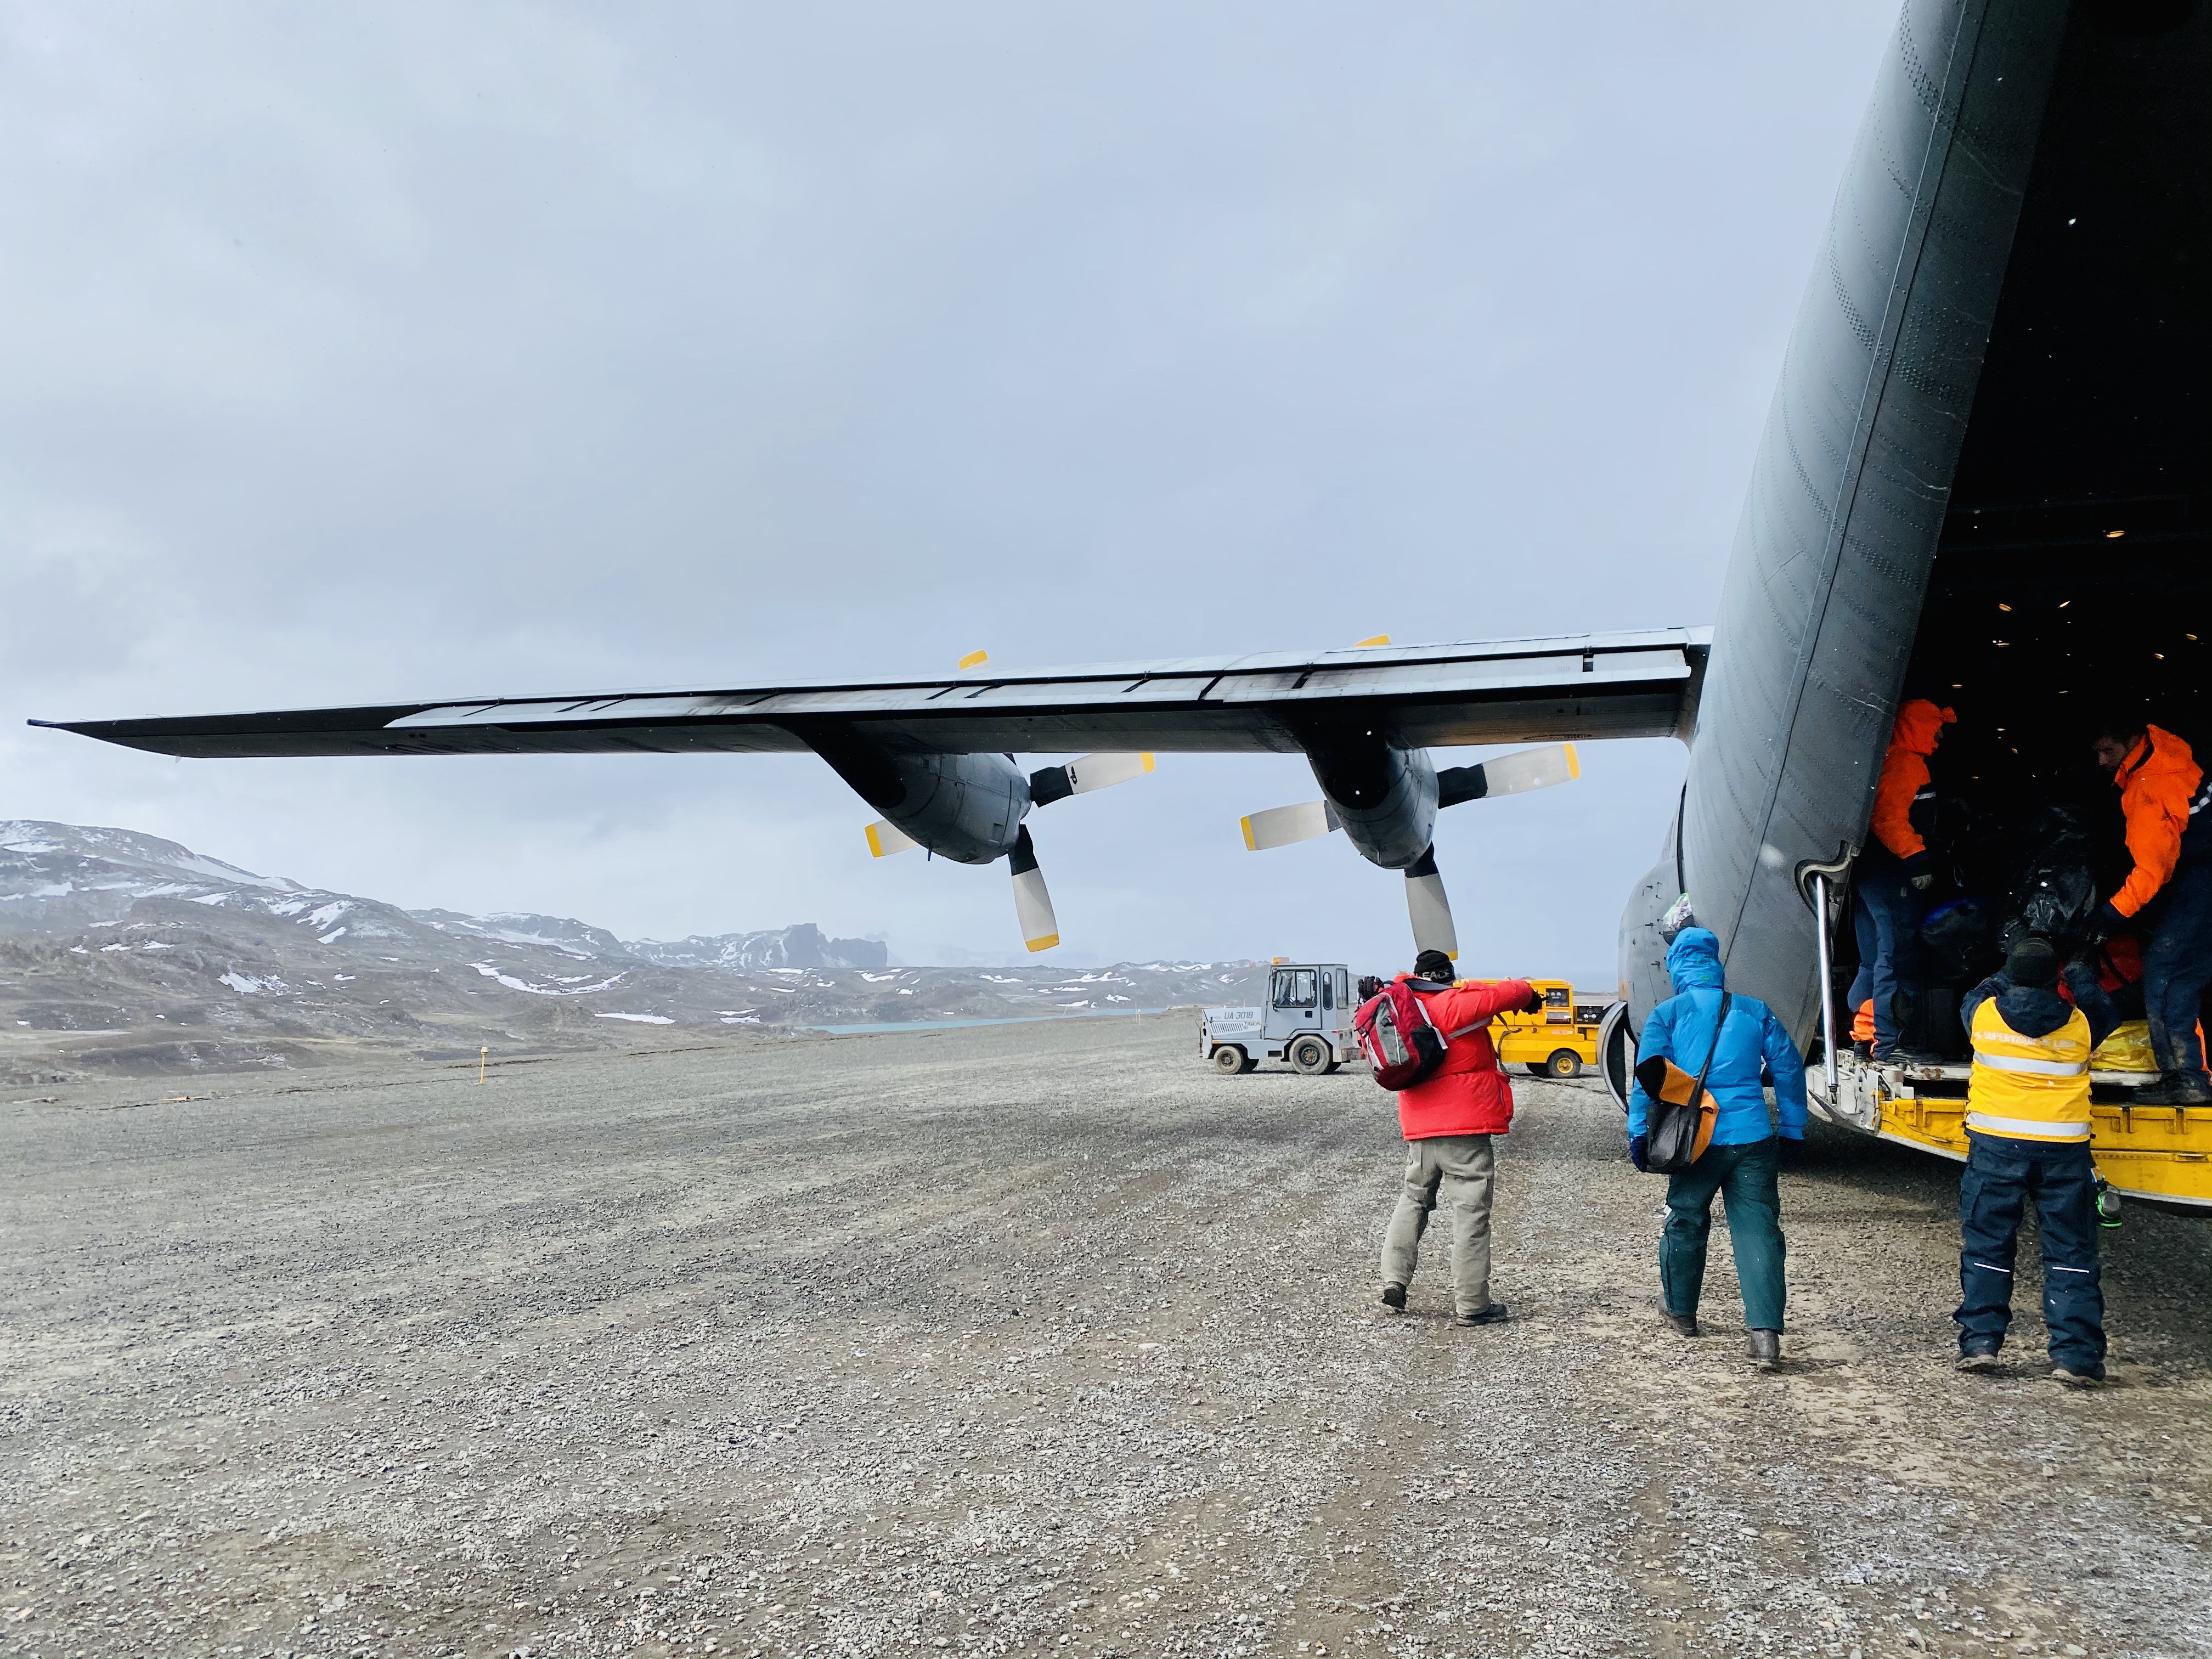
(1585, 686)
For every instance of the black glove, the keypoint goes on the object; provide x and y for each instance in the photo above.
(1369, 987)
(1789, 1149)
(1639, 1149)
(2107, 922)
(1535, 1003)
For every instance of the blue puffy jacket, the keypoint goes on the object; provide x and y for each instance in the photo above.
(1681, 1028)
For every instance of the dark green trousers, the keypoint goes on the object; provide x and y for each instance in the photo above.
(1745, 1178)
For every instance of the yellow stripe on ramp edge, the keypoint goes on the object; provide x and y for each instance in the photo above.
(1044, 944)
(1574, 762)
(1245, 824)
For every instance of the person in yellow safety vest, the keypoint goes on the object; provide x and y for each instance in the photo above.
(2027, 1128)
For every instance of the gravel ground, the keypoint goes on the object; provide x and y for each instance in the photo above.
(1016, 1338)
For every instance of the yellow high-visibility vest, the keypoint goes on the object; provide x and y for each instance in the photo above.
(2029, 1088)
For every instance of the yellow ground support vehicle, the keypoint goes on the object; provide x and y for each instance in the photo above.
(1560, 1040)
(2159, 1153)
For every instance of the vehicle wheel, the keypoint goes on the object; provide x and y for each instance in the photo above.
(1536, 1068)
(1231, 1060)
(1311, 1056)
(1616, 1054)
(1564, 1062)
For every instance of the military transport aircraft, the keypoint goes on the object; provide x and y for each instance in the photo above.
(1984, 476)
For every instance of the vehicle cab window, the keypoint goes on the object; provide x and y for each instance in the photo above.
(1295, 988)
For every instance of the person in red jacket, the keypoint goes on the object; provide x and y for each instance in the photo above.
(1447, 1122)
(2167, 896)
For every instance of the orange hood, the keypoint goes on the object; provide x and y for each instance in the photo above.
(1920, 723)
(2170, 756)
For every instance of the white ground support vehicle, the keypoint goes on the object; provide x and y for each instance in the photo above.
(1306, 1020)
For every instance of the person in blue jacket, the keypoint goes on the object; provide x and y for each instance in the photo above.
(1742, 1162)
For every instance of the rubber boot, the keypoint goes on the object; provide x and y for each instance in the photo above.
(1766, 1351)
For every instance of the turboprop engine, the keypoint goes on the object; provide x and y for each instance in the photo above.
(969, 808)
(1386, 800)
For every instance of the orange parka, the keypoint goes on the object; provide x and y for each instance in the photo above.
(2157, 782)
(1920, 725)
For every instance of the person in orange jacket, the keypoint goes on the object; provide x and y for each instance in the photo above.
(1447, 1122)
(1894, 874)
(2167, 896)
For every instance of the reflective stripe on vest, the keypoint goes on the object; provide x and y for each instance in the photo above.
(2031, 1127)
(2033, 1068)
(2029, 1088)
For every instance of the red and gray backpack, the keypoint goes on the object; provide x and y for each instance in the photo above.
(1399, 1040)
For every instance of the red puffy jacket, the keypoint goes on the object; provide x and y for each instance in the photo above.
(1469, 1094)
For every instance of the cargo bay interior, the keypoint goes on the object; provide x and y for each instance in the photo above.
(2072, 580)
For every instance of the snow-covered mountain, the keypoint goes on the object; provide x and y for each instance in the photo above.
(56, 878)
(802, 946)
(63, 878)
(120, 951)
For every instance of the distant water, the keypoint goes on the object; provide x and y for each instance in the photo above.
(954, 1024)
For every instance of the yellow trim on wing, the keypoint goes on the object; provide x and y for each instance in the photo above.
(1574, 762)
(974, 659)
(1044, 944)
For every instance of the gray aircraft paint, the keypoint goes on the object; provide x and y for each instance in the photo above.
(1823, 594)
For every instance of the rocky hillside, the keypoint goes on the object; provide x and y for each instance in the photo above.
(119, 950)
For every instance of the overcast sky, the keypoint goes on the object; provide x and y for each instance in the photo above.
(363, 352)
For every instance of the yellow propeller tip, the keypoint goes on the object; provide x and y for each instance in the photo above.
(1147, 758)
(1044, 944)
(975, 660)
(1574, 762)
(1250, 845)
(875, 843)
(1363, 645)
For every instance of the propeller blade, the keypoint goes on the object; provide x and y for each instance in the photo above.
(1281, 826)
(1032, 904)
(1079, 777)
(1428, 908)
(1508, 774)
(885, 838)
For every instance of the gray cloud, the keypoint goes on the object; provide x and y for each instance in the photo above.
(396, 350)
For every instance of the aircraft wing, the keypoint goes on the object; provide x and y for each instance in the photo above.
(1585, 686)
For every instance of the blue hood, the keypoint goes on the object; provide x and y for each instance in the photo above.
(1693, 961)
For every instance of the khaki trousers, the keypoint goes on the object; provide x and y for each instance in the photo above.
(1459, 1169)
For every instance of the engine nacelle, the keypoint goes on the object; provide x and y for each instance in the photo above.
(968, 808)
(1385, 799)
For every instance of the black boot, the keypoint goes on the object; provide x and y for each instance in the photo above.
(2175, 1089)
(1766, 1351)
(1394, 1298)
(1680, 1324)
